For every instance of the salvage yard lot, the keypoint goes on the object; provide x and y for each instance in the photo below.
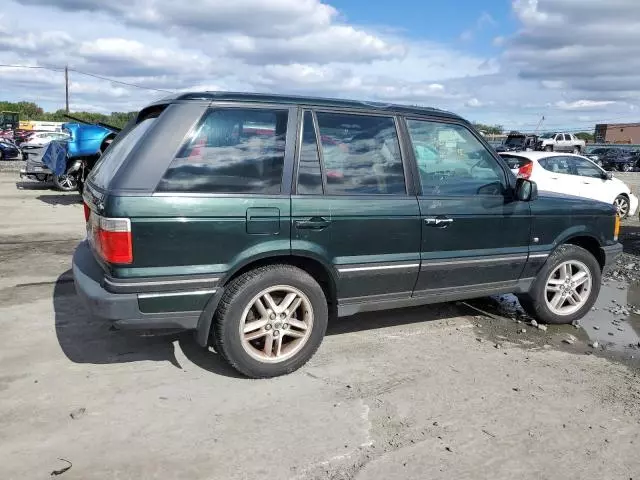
(433, 392)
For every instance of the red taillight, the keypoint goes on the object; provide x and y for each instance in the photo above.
(87, 211)
(111, 237)
(525, 170)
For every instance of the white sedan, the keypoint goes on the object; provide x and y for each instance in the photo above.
(42, 138)
(572, 175)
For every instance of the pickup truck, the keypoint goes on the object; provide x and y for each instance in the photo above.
(560, 142)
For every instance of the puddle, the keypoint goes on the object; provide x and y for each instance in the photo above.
(614, 323)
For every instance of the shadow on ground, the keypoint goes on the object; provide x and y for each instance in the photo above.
(34, 185)
(61, 199)
(85, 339)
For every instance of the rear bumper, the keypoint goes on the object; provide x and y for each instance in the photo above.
(123, 309)
(611, 253)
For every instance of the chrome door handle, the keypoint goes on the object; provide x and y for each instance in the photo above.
(438, 222)
(315, 223)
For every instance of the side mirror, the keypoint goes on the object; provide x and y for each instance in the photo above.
(526, 190)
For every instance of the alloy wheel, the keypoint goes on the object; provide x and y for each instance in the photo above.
(568, 287)
(276, 324)
(622, 205)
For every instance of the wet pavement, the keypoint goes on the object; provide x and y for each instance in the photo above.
(611, 329)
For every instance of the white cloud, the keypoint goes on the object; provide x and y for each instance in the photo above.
(583, 104)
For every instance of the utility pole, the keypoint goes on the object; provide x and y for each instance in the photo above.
(538, 126)
(66, 87)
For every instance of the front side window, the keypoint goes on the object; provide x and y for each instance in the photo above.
(585, 168)
(452, 161)
(361, 155)
(233, 150)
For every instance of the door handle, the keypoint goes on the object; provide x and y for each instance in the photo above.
(554, 178)
(315, 223)
(440, 222)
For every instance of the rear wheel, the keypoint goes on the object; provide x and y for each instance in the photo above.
(66, 182)
(622, 205)
(270, 321)
(576, 150)
(566, 287)
(626, 167)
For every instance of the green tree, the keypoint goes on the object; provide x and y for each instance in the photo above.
(490, 129)
(586, 136)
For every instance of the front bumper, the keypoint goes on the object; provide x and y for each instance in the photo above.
(633, 204)
(611, 253)
(123, 309)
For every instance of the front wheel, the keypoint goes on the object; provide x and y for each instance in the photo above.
(270, 321)
(626, 167)
(548, 148)
(622, 205)
(566, 287)
(66, 182)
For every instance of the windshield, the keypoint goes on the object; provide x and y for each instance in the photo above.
(548, 135)
(512, 141)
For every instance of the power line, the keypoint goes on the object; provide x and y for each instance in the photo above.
(87, 74)
(120, 82)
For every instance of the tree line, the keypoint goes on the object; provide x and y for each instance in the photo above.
(32, 111)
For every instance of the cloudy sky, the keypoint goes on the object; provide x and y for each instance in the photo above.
(576, 62)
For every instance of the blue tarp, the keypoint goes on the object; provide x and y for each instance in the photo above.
(55, 157)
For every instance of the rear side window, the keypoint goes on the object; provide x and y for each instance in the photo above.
(112, 159)
(557, 164)
(231, 151)
(514, 161)
(361, 155)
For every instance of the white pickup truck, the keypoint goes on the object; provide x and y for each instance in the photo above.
(560, 142)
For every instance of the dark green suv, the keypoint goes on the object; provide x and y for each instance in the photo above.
(252, 219)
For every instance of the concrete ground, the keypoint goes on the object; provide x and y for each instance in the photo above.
(437, 392)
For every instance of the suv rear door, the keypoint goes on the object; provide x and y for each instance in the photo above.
(351, 207)
(475, 238)
(219, 204)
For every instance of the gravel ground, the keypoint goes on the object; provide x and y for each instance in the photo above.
(455, 390)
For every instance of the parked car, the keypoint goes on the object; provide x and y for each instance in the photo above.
(251, 219)
(561, 142)
(42, 138)
(83, 146)
(620, 159)
(9, 150)
(516, 141)
(573, 175)
(596, 154)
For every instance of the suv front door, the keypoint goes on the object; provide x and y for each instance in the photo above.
(475, 237)
(351, 208)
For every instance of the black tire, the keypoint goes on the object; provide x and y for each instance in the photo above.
(576, 150)
(65, 183)
(534, 302)
(626, 167)
(1, 155)
(226, 323)
(619, 201)
(548, 148)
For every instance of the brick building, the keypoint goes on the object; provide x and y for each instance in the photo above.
(617, 133)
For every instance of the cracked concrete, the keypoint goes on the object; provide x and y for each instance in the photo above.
(406, 394)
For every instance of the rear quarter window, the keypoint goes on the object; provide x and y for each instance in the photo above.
(232, 150)
(113, 158)
(514, 161)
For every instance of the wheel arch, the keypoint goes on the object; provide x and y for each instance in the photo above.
(324, 274)
(590, 243)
